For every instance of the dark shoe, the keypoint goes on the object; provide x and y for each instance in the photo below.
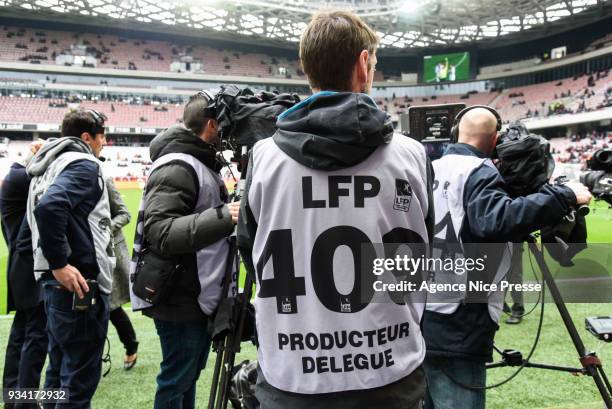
(130, 361)
(517, 315)
(512, 320)
(518, 309)
(506, 308)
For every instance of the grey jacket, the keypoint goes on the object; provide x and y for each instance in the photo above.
(68, 211)
(120, 217)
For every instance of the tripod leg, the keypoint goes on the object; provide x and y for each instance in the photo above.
(226, 374)
(215, 379)
(232, 345)
(605, 379)
(592, 370)
(229, 366)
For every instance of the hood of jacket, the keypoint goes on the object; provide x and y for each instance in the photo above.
(178, 139)
(52, 149)
(333, 130)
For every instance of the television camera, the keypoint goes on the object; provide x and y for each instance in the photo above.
(598, 179)
(245, 117)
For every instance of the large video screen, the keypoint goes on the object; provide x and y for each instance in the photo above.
(446, 67)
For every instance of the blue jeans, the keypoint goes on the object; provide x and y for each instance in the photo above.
(76, 343)
(185, 347)
(443, 393)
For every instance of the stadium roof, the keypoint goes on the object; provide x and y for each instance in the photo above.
(401, 24)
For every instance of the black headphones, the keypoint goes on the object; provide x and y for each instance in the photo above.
(98, 126)
(454, 132)
(210, 111)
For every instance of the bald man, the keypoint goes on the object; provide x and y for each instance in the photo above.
(472, 206)
(478, 128)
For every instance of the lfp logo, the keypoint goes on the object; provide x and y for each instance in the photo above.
(403, 195)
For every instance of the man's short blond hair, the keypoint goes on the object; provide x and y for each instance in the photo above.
(330, 47)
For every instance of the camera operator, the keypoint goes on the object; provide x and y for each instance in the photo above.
(26, 349)
(327, 180)
(68, 213)
(459, 336)
(186, 219)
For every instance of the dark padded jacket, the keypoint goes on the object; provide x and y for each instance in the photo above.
(23, 290)
(491, 216)
(172, 228)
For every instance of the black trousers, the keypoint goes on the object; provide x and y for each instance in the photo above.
(125, 330)
(26, 350)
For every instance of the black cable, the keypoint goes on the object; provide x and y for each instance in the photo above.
(539, 294)
(107, 358)
(520, 368)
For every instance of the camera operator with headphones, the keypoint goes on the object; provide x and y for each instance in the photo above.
(181, 241)
(472, 205)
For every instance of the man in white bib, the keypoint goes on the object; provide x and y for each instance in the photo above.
(333, 178)
(69, 216)
(472, 206)
(184, 218)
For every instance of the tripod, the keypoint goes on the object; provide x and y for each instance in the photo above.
(591, 364)
(229, 325)
(231, 317)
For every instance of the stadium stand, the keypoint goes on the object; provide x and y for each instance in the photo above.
(46, 46)
(501, 68)
(573, 95)
(535, 60)
(580, 147)
(400, 105)
(601, 42)
(45, 110)
(37, 46)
